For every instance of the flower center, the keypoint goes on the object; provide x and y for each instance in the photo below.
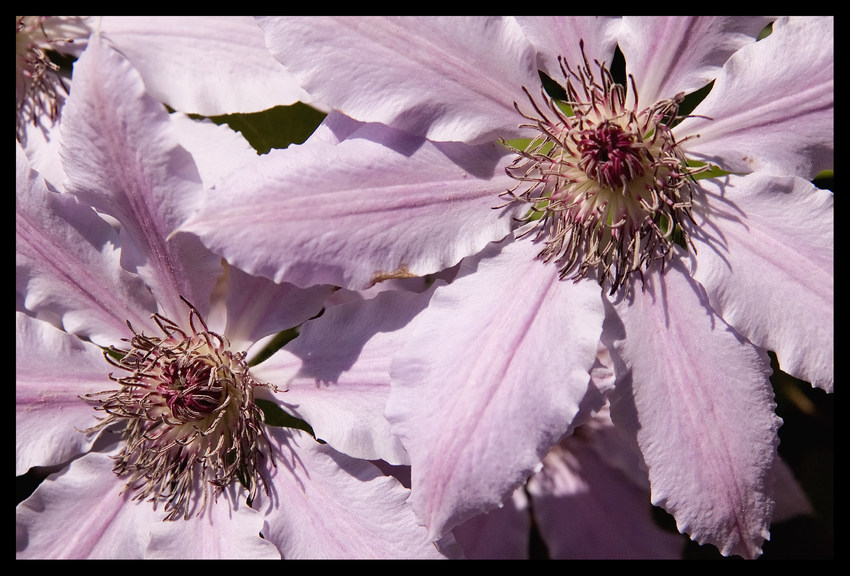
(188, 416)
(608, 184)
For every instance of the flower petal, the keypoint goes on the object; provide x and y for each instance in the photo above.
(560, 35)
(337, 373)
(324, 504)
(500, 534)
(122, 158)
(52, 370)
(765, 255)
(380, 204)
(772, 106)
(587, 507)
(83, 512)
(447, 79)
(257, 307)
(207, 65)
(493, 374)
(66, 263)
(227, 530)
(216, 149)
(699, 404)
(673, 54)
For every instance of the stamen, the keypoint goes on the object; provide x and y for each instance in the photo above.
(188, 414)
(602, 180)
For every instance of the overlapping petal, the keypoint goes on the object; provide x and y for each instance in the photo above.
(257, 307)
(122, 158)
(669, 55)
(66, 262)
(696, 398)
(336, 374)
(445, 78)
(52, 370)
(772, 105)
(590, 501)
(498, 364)
(380, 204)
(90, 497)
(334, 506)
(207, 65)
(227, 530)
(500, 534)
(559, 36)
(765, 257)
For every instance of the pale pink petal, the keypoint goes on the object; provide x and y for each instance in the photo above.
(493, 373)
(228, 529)
(698, 402)
(83, 512)
(216, 149)
(586, 510)
(445, 78)
(42, 150)
(122, 158)
(386, 204)
(52, 370)
(771, 107)
(673, 54)
(323, 504)
(500, 534)
(591, 500)
(257, 307)
(560, 36)
(335, 128)
(207, 65)
(336, 374)
(765, 255)
(66, 263)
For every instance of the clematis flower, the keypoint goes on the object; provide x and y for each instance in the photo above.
(683, 243)
(135, 361)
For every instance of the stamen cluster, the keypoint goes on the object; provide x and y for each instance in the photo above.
(187, 416)
(607, 183)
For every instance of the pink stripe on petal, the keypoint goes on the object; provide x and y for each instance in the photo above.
(700, 406)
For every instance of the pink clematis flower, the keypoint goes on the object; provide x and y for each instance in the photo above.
(135, 361)
(420, 166)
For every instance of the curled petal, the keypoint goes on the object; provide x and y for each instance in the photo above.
(66, 263)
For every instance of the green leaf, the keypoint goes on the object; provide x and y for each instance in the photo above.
(276, 416)
(275, 344)
(276, 127)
